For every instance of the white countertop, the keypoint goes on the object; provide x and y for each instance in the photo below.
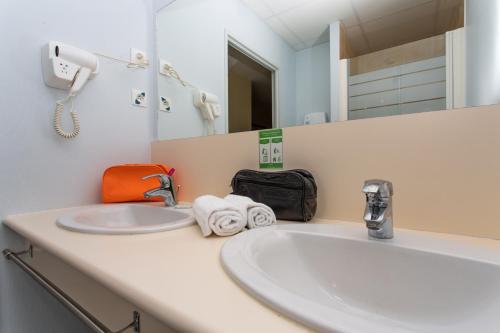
(175, 275)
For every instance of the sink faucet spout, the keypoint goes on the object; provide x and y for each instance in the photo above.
(378, 211)
(165, 190)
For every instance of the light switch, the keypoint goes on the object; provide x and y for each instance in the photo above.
(165, 104)
(139, 98)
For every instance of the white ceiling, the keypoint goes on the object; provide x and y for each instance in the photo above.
(371, 25)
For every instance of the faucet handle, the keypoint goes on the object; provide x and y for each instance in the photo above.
(163, 178)
(378, 187)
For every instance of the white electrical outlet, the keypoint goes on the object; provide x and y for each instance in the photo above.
(164, 65)
(138, 57)
(139, 98)
(165, 104)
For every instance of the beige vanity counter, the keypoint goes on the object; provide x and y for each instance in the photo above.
(175, 275)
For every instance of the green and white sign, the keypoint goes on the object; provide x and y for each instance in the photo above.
(271, 149)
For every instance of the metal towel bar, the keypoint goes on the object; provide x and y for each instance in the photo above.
(61, 296)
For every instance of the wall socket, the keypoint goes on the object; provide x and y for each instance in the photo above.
(139, 98)
(138, 57)
(165, 104)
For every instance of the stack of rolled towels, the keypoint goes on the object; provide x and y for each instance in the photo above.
(229, 216)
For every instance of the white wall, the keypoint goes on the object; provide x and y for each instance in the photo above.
(335, 71)
(159, 4)
(313, 81)
(191, 36)
(38, 169)
(482, 52)
(455, 69)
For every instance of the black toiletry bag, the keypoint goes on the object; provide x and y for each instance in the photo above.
(290, 194)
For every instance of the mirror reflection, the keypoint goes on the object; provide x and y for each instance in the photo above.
(228, 66)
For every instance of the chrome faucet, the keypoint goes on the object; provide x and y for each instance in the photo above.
(166, 190)
(378, 211)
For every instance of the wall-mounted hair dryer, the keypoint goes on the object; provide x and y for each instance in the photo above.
(67, 67)
(208, 104)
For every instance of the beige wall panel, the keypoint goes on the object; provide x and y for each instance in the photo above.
(445, 166)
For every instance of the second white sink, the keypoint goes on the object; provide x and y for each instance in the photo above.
(333, 278)
(126, 219)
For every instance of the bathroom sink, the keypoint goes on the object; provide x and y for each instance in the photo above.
(332, 278)
(126, 219)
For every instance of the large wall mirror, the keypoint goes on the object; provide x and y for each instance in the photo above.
(228, 66)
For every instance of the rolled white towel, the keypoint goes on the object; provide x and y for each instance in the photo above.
(256, 214)
(217, 215)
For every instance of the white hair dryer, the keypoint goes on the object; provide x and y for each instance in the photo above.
(208, 104)
(69, 68)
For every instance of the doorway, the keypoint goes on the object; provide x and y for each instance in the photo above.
(250, 93)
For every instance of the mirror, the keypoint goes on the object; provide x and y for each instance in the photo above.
(229, 66)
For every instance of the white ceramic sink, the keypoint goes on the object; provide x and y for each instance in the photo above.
(126, 219)
(334, 279)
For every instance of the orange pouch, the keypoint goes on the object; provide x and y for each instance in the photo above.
(123, 183)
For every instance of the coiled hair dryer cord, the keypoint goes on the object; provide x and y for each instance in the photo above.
(74, 118)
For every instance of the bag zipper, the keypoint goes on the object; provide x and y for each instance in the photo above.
(270, 183)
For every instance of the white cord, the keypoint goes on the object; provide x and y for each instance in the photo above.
(210, 127)
(171, 72)
(130, 64)
(74, 118)
(74, 115)
(175, 75)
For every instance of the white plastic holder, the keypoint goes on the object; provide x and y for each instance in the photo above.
(138, 57)
(208, 104)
